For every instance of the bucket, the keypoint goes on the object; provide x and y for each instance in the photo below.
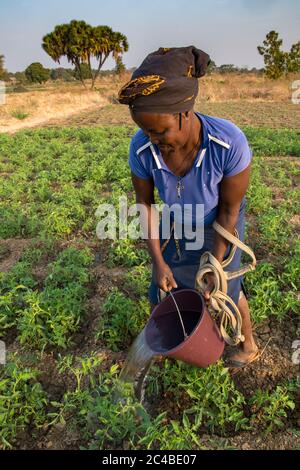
(190, 335)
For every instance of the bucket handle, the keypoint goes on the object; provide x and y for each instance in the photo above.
(180, 317)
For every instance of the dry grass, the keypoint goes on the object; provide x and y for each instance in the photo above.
(217, 88)
(37, 107)
(243, 98)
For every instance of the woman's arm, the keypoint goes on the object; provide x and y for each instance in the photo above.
(144, 190)
(232, 191)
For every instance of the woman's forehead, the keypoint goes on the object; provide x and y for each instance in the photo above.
(154, 121)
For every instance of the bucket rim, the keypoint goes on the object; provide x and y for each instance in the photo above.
(185, 341)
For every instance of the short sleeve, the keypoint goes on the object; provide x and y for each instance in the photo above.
(136, 164)
(238, 157)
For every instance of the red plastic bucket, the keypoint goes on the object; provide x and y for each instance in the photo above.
(164, 331)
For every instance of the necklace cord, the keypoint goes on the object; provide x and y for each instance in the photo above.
(191, 152)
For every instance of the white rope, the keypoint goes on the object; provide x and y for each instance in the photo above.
(218, 297)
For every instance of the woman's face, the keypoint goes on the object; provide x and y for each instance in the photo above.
(163, 129)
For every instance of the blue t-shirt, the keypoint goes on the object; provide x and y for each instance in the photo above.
(224, 152)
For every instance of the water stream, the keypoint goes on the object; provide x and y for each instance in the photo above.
(164, 333)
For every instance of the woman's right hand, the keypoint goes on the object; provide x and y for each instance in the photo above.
(164, 277)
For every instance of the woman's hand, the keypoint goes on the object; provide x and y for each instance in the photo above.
(164, 277)
(209, 280)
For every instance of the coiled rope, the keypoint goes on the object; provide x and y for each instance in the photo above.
(218, 296)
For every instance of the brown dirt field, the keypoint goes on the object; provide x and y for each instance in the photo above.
(273, 115)
(273, 367)
(246, 99)
(41, 106)
(11, 250)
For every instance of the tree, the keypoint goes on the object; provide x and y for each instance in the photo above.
(278, 62)
(60, 73)
(80, 42)
(36, 73)
(83, 72)
(21, 78)
(120, 67)
(228, 68)
(211, 67)
(274, 58)
(293, 58)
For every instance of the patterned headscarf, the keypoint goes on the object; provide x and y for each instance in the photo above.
(166, 81)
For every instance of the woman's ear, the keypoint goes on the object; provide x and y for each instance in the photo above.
(187, 114)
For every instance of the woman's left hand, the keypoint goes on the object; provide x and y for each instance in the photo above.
(209, 280)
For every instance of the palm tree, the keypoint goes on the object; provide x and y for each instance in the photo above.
(79, 42)
(105, 42)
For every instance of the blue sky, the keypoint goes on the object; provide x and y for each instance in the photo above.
(229, 30)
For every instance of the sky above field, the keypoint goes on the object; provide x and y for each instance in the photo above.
(229, 30)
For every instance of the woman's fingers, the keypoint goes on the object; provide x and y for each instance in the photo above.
(172, 282)
(168, 283)
(209, 281)
(166, 280)
(165, 285)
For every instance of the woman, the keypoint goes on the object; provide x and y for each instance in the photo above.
(191, 158)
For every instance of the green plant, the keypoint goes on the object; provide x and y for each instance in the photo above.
(265, 295)
(273, 142)
(70, 267)
(166, 434)
(14, 286)
(105, 421)
(138, 279)
(124, 423)
(209, 394)
(125, 253)
(123, 320)
(52, 315)
(18, 114)
(22, 401)
(270, 408)
(36, 73)
(113, 423)
(278, 62)
(274, 230)
(52, 181)
(80, 42)
(258, 194)
(76, 403)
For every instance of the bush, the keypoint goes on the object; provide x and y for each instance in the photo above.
(22, 401)
(52, 315)
(208, 395)
(123, 320)
(36, 73)
(270, 408)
